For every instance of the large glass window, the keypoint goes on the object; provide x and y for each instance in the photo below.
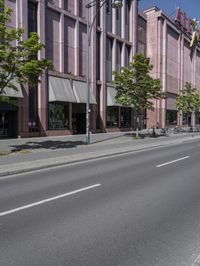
(127, 55)
(32, 17)
(127, 19)
(58, 115)
(187, 119)
(108, 59)
(108, 16)
(125, 117)
(118, 56)
(171, 117)
(118, 21)
(112, 116)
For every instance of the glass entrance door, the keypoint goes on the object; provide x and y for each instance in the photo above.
(3, 124)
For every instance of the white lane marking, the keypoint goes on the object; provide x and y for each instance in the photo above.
(174, 161)
(47, 200)
(196, 262)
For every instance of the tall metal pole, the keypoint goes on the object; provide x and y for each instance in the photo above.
(115, 4)
(88, 82)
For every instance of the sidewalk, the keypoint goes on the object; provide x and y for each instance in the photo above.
(39, 153)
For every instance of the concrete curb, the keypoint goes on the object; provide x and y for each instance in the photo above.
(17, 168)
(65, 160)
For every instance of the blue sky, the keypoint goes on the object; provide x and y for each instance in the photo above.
(191, 7)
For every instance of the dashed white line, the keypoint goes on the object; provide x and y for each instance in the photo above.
(174, 161)
(47, 200)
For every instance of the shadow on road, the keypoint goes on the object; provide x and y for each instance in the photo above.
(49, 144)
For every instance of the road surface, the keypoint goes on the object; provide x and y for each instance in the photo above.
(139, 209)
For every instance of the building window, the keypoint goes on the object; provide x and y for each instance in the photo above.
(127, 55)
(125, 117)
(32, 17)
(118, 56)
(98, 11)
(69, 5)
(108, 59)
(118, 21)
(112, 116)
(171, 117)
(58, 115)
(82, 8)
(98, 50)
(127, 19)
(108, 16)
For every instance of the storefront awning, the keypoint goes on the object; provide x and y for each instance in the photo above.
(111, 93)
(60, 90)
(171, 102)
(14, 93)
(80, 91)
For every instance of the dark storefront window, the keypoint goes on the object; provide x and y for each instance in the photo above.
(112, 116)
(58, 115)
(186, 119)
(125, 117)
(171, 117)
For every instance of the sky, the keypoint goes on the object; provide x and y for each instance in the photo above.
(190, 7)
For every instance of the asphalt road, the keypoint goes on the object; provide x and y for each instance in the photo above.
(137, 209)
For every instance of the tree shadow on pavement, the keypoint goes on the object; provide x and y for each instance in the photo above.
(49, 144)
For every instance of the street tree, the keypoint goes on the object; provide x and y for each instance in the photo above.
(19, 61)
(136, 87)
(188, 100)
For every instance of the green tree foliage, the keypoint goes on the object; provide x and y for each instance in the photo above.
(189, 99)
(18, 57)
(135, 86)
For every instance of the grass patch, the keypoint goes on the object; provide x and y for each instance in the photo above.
(137, 137)
(4, 153)
(22, 152)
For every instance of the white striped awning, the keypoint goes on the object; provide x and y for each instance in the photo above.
(60, 90)
(10, 92)
(80, 91)
(111, 93)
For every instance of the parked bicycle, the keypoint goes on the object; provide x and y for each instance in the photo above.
(178, 130)
(165, 131)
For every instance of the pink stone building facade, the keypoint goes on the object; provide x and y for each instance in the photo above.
(58, 105)
(175, 63)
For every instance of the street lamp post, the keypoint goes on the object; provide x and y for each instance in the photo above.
(114, 4)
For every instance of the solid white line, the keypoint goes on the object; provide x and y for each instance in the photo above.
(174, 161)
(47, 200)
